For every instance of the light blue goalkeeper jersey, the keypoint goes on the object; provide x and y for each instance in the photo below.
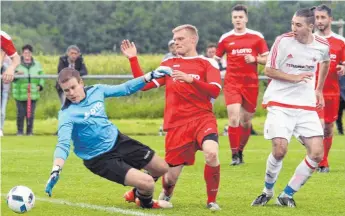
(87, 123)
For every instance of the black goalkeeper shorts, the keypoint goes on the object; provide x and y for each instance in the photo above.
(127, 153)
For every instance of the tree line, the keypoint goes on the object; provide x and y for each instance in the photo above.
(96, 27)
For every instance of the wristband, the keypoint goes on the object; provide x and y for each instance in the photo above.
(56, 168)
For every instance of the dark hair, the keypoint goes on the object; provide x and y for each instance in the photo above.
(67, 74)
(240, 7)
(27, 47)
(324, 7)
(211, 45)
(307, 13)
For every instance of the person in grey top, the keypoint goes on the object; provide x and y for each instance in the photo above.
(72, 59)
(172, 50)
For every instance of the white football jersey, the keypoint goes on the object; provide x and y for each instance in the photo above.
(291, 57)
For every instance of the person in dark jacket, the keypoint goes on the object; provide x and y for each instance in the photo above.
(72, 59)
(339, 122)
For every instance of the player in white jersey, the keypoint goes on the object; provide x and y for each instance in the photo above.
(291, 102)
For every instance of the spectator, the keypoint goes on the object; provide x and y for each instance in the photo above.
(26, 91)
(72, 59)
(211, 52)
(172, 50)
(5, 89)
(341, 105)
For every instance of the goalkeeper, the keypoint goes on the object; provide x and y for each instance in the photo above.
(104, 149)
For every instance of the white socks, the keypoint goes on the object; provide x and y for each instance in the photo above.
(302, 173)
(273, 167)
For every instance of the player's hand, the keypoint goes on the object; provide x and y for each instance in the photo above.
(249, 59)
(160, 72)
(128, 49)
(320, 102)
(53, 179)
(303, 77)
(340, 70)
(181, 76)
(8, 75)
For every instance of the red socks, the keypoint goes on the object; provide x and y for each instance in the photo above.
(234, 138)
(327, 143)
(244, 137)
(212, 178)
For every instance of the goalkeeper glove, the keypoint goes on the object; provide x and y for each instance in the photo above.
(161, 71)
(53, 179)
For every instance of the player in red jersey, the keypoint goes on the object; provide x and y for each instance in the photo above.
(188, 118)
(244, 48)
(7, 48)
(331, 91)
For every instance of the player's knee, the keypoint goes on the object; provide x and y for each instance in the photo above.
(279, 153)
(163, 168)
(234, 120)
(316, 157)
(211, 157)
(279, 148)
(147, 184)
(246, 123)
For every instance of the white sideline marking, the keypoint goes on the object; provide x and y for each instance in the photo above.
(93, 207)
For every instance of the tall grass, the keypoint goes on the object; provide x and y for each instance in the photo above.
(149, 104)
(103, 64)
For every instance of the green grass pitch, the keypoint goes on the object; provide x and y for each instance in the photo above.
(28, 160)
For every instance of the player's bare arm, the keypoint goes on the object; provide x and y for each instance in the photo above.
(181, 76)
(261, 59)
(8, 75)
(2, 57)
(128, 49)
(212, 90)
(59, 162)
(279, 75)
(341, 69)
(324, 67)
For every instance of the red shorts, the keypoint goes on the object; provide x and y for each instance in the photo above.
(330, 112)
(247, 96)
(182, 142)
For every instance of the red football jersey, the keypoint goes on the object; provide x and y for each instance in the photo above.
(184, 102)
(7, 45)
(337, 56)
(236, 46)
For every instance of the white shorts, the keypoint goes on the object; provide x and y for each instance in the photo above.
(285, 122)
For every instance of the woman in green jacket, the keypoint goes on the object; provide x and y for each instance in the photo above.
(26, 91)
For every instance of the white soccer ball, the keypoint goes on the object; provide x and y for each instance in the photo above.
(20, 199)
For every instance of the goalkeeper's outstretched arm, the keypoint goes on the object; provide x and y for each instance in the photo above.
(61, 151)
(136, 84)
